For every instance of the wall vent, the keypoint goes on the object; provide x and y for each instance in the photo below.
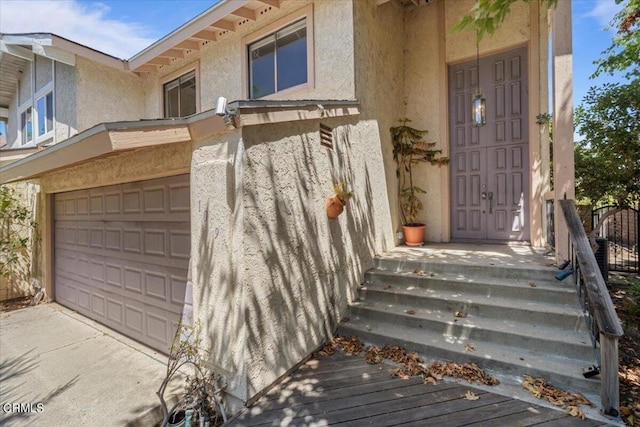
(326, 136)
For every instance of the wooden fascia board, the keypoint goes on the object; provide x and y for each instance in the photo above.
(259, 116)
(57, 157)
(206, 127)
(55, 53)
(128, 139)
(199, 23)
(18, 51)
(147, 68)
(91, 54)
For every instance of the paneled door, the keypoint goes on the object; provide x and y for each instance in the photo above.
(490, 164)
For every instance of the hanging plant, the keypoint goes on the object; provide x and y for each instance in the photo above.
(335, 205)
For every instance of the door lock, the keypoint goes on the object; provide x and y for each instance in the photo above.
(483, 195)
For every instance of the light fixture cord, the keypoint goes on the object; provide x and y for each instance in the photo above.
(478, 61)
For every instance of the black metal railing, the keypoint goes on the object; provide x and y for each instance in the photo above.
(599, 311)
(622, 230)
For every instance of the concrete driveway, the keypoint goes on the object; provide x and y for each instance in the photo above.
(63, 369)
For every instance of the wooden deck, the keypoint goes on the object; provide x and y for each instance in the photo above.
(345, 390)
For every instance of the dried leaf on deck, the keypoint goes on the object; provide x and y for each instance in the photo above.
(351, 345)
(420, 272)
(460, 314)
(410, 311)
(385, 287)
(533, 285)
(469, 347)
(558, 397)
(469, 395)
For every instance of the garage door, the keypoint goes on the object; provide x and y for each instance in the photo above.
(122, 255)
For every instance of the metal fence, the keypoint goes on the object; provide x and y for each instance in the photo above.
(622, 230)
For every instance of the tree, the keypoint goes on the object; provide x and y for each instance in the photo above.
(486, 16)
(608, 158)
(624, 53)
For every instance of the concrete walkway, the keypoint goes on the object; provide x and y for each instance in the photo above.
(82, 373)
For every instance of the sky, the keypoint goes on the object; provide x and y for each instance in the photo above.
(123, 28)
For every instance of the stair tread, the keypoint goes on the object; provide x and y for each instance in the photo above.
(549, 285)
(477, 299)
(520, 359)
(528, 329)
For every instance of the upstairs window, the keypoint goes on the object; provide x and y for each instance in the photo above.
(180, 96)
(44, 108)
(26, 126)
(278, 61)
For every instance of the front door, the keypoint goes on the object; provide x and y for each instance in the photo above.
(490, 164)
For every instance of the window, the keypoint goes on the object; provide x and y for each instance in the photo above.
(44, 110)
(26, 126)
(180, 96)
(278, 61)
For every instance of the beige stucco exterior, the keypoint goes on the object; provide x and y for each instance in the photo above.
(221, 65)
(271, 274)
(417, 82)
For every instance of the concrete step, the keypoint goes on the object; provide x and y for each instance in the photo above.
(568, 316)
(540, 290)
(519, 333)
(497, 359)
(493, 270)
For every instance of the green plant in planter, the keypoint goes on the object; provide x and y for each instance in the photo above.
(409, 149)
(341, 192)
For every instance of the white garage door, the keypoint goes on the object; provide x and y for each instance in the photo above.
(122, 255)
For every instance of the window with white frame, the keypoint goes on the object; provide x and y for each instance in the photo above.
(180, 96)
(278, 61)
(44, 112)
(26, 125)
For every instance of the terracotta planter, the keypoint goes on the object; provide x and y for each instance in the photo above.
(414, 234)
(335, 206)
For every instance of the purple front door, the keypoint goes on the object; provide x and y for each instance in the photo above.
(490, 164)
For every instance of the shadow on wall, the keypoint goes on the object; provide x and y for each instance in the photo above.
(301, 269)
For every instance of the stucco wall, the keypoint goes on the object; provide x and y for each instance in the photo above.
(217, 257)
(301, 268)
(66, 120)
(25, 85)
(380, 79)
(104, 94)
(44, 71)
(221, 62)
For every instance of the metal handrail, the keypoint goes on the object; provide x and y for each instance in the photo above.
(601, 316)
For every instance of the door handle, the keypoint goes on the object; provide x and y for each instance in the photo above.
(483, 195)
(490, 197)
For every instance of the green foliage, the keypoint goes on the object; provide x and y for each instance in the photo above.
(624, 53)
(486, 16)
(608, 158)
(409, 149)
(341, 191)
(15, 228)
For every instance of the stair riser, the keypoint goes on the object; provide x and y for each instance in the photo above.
(567, 382)
(465, 334)
(475, 308)
(473, 271)
(527, 293)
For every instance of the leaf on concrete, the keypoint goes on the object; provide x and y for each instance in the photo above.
(387, 287)
(351, 345)
(420, 272)
(460, 314)
(410, 311)
(469, 395)
(469, 347)
(533, 285)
